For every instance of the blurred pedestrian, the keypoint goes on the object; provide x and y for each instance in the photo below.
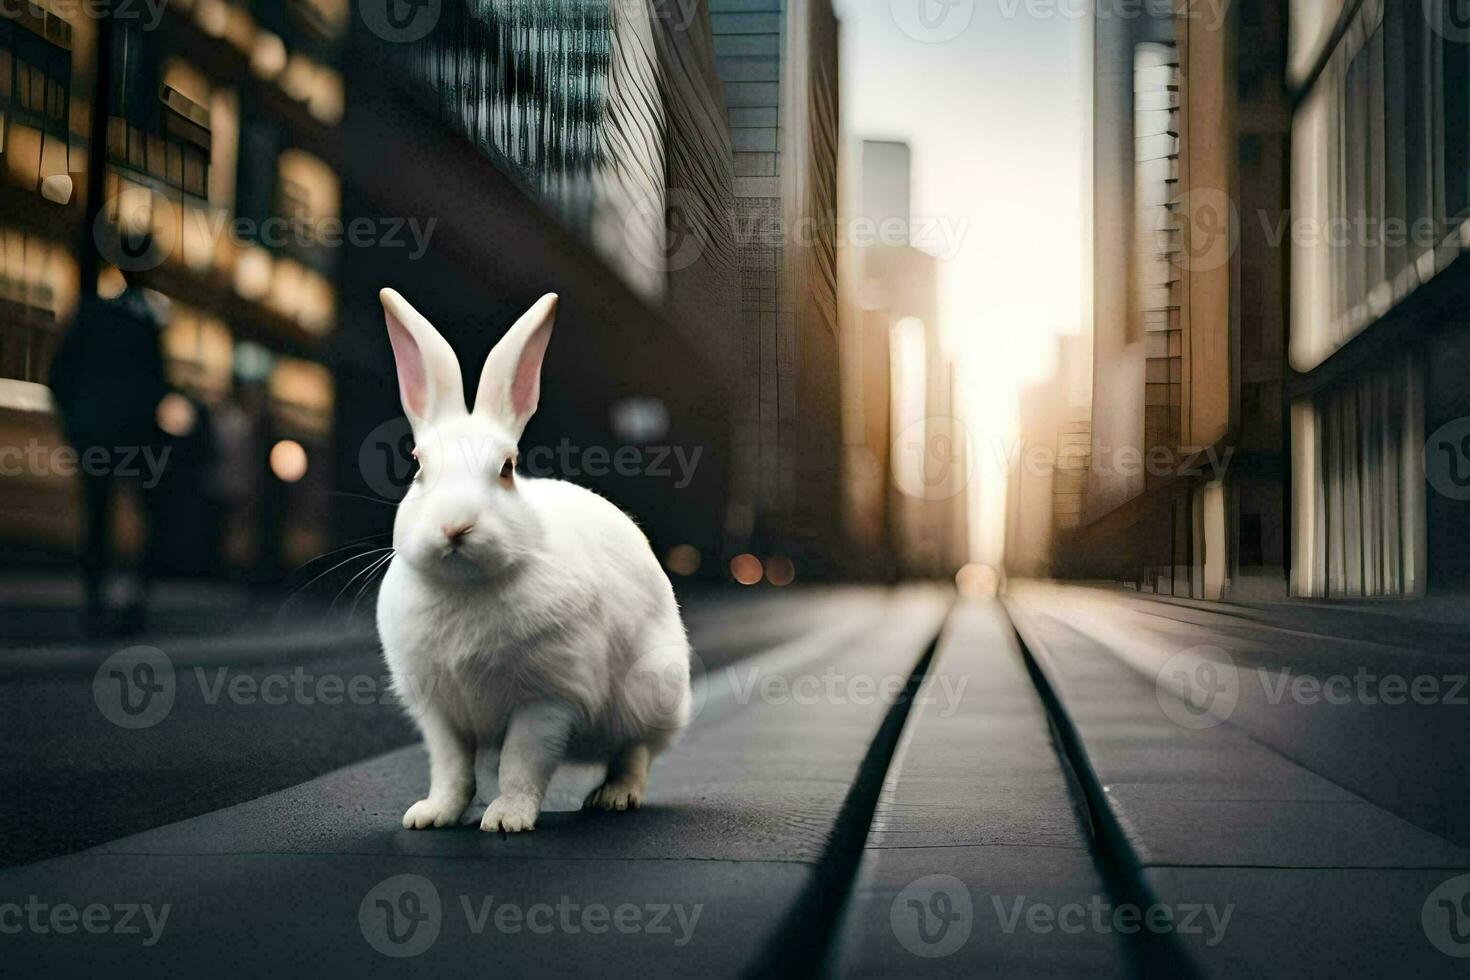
(108, 381)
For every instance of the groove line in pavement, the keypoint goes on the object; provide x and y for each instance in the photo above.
(801, 944)
(1156, 954)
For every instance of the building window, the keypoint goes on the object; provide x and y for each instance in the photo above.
(38, 291)
(1358, 486)
(35, 90)
(1381, 175)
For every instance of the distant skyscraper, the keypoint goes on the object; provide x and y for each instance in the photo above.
(920, 455)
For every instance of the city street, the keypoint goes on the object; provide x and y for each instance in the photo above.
(820, 488)
(876, 782)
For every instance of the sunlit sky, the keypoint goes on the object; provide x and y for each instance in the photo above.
(996, 117)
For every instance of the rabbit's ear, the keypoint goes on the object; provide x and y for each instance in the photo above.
(510, 385)
(429, 381)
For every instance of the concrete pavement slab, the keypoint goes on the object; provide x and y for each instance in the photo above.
(321, 878)
(1381, 711)
(1311, 876)
(1315, 922)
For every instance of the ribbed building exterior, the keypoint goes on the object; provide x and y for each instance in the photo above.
(778, 62)
(1380, 354)
(1185, 488)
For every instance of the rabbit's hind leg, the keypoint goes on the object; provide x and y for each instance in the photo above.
(627, 775)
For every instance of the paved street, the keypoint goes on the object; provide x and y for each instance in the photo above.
(877, 782)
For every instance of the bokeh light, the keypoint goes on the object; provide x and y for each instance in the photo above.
(780, 570)
(288, 461)
(175, 415)
(682, 559)
(746, 569)
(978, 581)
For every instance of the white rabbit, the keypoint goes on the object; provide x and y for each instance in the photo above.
(525, 614)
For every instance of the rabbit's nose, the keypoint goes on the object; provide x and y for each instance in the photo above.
(455, 533)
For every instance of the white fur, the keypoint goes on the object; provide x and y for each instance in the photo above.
(548, 630)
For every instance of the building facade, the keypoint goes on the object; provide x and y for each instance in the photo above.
(778, 62)
(603, 166)
(1379, 351)
(194, 154)
(1185, 487)
(669, 167)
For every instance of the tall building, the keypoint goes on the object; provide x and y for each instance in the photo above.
(569, 146)
(196, 155)
(283, 161)
(1049, 465)
(1379, 349)
(907, 448)
(778, 62)
(1185, 487)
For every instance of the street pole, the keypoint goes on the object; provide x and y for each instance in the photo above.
(88, 258)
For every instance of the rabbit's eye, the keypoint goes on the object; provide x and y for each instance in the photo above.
(507, 469)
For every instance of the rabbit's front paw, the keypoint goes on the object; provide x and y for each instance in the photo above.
(431, 813)
(511, 814)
